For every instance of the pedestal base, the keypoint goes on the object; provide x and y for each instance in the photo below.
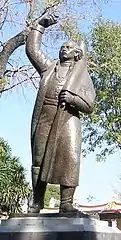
(56, 227)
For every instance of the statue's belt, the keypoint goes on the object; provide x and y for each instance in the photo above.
(50, 101)
(54, 102)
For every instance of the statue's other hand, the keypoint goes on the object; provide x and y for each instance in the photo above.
(47, 20)
(66, 97)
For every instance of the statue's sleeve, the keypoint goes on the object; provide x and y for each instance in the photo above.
(82, 105)
(34, 52)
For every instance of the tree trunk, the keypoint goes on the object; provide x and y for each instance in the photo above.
(9, 47)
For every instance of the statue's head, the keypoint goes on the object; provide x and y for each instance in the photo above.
(70, 51)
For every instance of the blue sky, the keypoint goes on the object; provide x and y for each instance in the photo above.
(96, 179)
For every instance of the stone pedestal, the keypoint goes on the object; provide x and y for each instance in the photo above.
(56, 227)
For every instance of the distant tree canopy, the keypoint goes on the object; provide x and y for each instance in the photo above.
(52, 191)
(13, 185)
(104, 124)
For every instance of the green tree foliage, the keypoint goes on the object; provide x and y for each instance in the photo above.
(13, 185)
(104, 125)
(52, 191)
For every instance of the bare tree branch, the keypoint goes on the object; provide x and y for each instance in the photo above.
(3, 11)
(14, 85)
(19, 83)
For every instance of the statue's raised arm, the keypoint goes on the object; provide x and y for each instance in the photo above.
(33, 50)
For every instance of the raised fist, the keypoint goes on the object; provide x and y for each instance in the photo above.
(47, 20)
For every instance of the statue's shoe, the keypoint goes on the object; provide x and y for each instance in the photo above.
(67, 208)
(35, 208)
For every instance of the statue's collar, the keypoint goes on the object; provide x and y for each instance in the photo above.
(69, 64)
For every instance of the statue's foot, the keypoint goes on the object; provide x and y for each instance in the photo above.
(67, 208)
(35, 208)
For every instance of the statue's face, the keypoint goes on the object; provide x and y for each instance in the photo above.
(67, 52)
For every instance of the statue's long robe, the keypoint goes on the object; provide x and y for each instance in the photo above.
(56, 133)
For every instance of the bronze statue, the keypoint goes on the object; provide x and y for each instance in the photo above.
(65, 89)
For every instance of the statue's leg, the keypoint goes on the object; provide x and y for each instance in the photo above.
(38, 143)
(66, 199)
(39, 189)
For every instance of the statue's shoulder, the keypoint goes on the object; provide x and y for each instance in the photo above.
(52, 64)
